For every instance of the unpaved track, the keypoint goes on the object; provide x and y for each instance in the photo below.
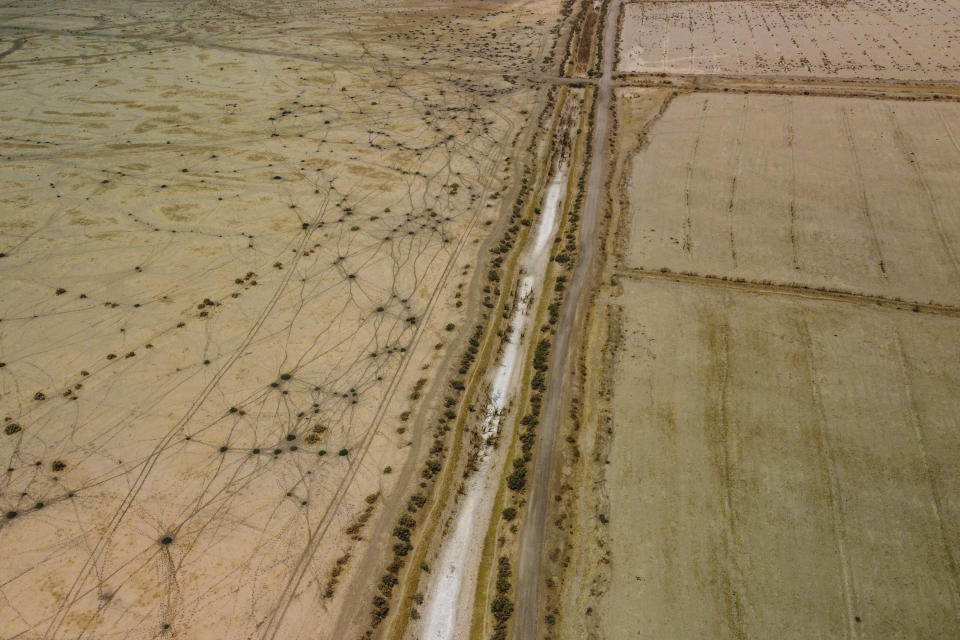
(529, 576)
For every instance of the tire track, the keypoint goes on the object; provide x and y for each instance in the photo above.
(74, 593)
(861, 186)
(903, 146)
(829, 461)
(737, 161)
(936, 500)
(272, 625)
(687, 244)
(950, 134)
(790, 134)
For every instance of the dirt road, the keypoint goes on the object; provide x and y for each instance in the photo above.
(529, 577)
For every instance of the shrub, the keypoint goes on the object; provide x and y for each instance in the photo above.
(380, 609)
(502, 608)
(517, 480)
(537, 382)
(418, 499)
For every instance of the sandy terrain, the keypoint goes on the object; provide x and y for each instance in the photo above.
(232, 237)
(888, 39)
(857, 195)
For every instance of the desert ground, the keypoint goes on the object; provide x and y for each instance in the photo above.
(235, 238)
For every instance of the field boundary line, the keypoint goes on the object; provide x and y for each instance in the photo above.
(791, 289)
(809, 85)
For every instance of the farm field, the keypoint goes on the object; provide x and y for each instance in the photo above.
(781, 469)
(234, 243)
(769, 435)
(866, 40)
(848, 194)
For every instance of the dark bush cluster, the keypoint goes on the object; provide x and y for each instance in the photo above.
(501, 606)
(473, 346)
(517, 479)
